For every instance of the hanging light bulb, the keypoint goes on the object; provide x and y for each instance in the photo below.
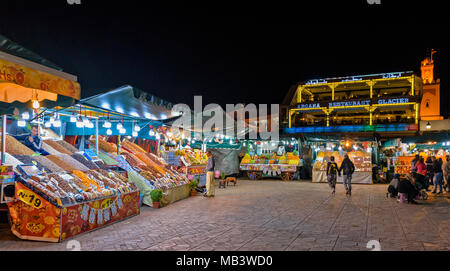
(107, 124)
(151, 133)
(119, 126)
(90, 125)
(158, 137)
(134, 133)
(57, 123)
(80, 123)
(122, 130)
(48, 124)
(25, 115)
(21, 123)
(109, 132)
(137, 128)
(36, 104)
(73, 119)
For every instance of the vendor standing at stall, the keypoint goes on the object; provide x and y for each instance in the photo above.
(33, 140)
(209, 175)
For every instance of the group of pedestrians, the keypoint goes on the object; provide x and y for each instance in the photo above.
(431, 172)
(333, 170)
(423, 174)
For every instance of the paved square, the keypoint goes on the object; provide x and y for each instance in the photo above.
(272, 215)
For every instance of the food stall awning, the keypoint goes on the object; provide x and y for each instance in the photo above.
(131, 101)
(428, 137)
(25, 77)
(199, 122)
(10, 47)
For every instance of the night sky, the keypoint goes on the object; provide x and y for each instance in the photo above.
(232, 53)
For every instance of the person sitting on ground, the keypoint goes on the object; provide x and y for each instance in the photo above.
(33, 140)
(407, 187)
(393, 186)
(332, 171)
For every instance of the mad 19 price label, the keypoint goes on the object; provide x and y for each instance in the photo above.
(30, 198)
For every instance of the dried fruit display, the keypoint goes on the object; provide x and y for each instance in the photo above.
(12, 161)
(80, 158)
(67, 146)
(74, 163)
(14, 147)
(58, 147)
(52, 167)
(28, 159)
(49, 149)
(61, 163)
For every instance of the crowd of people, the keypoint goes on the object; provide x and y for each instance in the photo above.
(424, 174)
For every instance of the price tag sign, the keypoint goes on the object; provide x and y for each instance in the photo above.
(106, 203)
(30, 198)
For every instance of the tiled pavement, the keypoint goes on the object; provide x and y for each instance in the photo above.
(272, 215)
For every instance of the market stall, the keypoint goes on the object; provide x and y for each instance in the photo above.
(270, 159)
(360, 158)
(54, 207)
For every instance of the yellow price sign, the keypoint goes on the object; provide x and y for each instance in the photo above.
(30, 198)
(107, 203)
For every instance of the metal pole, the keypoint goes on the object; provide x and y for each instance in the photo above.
(96, 136)
(3, 158)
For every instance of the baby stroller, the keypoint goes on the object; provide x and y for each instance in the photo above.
(421, 186)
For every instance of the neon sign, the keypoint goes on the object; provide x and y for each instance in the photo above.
(315, 82)
(394, 101)
(349, 103)
(308, 106)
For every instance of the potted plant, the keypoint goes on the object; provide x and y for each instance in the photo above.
(222, 180)
(156, 196)
(193, 185)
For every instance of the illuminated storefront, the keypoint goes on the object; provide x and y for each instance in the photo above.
(381, 103)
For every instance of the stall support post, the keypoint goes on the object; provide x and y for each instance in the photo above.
(96, 136)
(118, 144)
(3, 158)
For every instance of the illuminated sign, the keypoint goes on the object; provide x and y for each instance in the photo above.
(393, 101)
(358, 103)
(392, 75)
(353, 78)
(315, 82)
(308, 106)
(349, 103)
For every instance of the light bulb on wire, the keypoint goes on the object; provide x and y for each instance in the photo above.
(109, 132)
(36, 104)
(25, 115)
(107, 124)
(21, 123)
